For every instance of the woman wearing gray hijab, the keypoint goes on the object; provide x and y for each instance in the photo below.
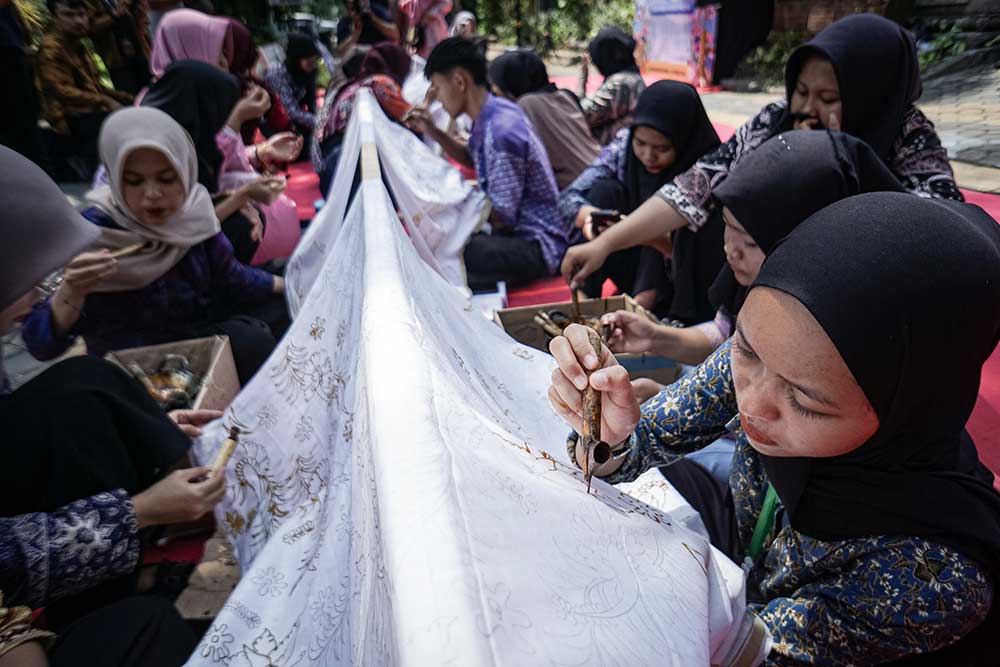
(86, 455)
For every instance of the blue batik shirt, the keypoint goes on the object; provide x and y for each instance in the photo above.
(514, 170)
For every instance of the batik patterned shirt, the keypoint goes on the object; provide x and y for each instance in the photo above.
(919, 161)
(514, 170)
(609, 164)
(69, 84)
(849, 602)
(610, 108)
(292, 97)
(48, 556)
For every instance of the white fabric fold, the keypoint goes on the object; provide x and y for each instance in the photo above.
(402, 496)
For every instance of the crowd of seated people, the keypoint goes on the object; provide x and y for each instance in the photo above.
(781, 261)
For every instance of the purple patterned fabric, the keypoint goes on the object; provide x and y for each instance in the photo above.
(514, 170)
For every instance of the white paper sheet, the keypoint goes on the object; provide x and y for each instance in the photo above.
(403, 495)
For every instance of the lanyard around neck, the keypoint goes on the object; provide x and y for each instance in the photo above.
(764, 523)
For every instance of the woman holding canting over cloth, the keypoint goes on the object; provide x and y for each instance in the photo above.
(860, 75)
(872, 529)
(183, 283)
(787, 179)
(87, 458)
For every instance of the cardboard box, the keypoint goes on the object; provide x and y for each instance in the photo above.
(211, 359)
(520, 325)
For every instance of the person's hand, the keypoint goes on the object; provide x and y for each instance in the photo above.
(183, 495)
(619, 407)
(582, 260)
(645, 389)
(256, 224)
(585, 65)
(281, 148)
(630, 332)
(85, 272)
(264, 189)
(254, 104)
(191, 421)
(583, 216)
(419, 120)
(114, 105)
(833, 123)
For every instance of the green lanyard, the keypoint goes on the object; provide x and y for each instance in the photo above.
(764, 523)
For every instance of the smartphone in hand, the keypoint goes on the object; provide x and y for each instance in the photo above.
(603, 218)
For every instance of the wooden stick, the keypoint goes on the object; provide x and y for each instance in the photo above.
(228, 447)
(597, 451)
(127, 250)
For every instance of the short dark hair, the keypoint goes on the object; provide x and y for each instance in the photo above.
(458, 52)
(69, 4)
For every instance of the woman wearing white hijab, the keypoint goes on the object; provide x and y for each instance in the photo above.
(179, 279)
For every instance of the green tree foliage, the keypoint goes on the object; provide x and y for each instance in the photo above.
(558, 24)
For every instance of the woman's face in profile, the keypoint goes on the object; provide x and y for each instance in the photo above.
(796, 395)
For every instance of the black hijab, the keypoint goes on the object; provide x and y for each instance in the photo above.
(612, 51)
(302, 46)
(908, 290)
(520, 72)
(200, 97)
(877, 71)
(673, 109)
(784, 181)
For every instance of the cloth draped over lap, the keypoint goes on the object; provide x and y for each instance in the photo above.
(402, 493)
(439, 210)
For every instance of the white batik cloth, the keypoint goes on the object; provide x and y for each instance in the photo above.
(401, 496)
(438, 208)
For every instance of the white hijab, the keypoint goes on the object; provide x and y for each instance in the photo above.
(123, 132)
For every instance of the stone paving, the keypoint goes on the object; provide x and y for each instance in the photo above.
(964, 107)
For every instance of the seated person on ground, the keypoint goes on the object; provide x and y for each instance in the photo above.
(768, 194)
(383, 72)
(859, 75)
(668, 132)
(205, 100)
(528, 239)
(294, 82)
(74, 100)
(120, 43)
(376, 25)
(857, 501)
(521, 77)
(609, 109)
(182, 282)
(91, 464)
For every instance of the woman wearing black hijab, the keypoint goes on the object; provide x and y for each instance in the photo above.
(857, 501)
(859, 75)
(776, 187)
(294, 82)
(521, 76)
(610, 108)
(669, 131)
(201, 98)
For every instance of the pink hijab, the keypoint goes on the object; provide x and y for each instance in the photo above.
(186, 34)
